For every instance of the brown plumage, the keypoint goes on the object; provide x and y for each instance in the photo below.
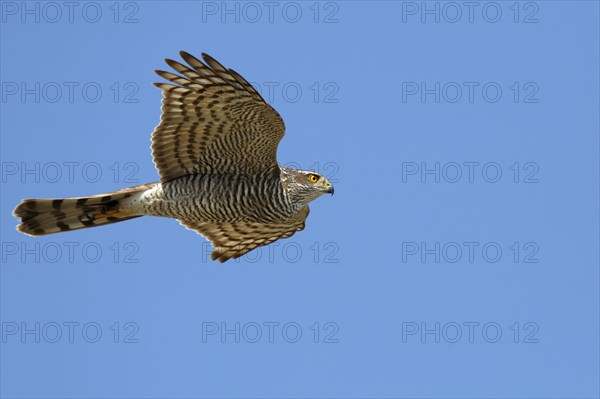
(215, 150)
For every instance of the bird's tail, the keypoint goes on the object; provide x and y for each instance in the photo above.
(47, 216)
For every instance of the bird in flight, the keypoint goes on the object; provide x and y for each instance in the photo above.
(215, 150)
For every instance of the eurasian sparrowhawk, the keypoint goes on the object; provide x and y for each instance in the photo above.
(215, 150)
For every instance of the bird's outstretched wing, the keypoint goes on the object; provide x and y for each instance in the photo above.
(213, 120)
(232, 240)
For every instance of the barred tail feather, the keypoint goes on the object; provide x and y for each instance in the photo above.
(47, 216)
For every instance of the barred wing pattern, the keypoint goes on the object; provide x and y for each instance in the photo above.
(213, 120)
(232, 240)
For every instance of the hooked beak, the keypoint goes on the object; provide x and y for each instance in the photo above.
(330, 189)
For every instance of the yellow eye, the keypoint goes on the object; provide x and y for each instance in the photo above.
(313, 178)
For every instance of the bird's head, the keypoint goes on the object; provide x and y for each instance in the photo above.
(304, 185)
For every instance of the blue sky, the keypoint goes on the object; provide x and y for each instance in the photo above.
(458, 257)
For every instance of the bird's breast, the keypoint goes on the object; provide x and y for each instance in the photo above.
(227, 198)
